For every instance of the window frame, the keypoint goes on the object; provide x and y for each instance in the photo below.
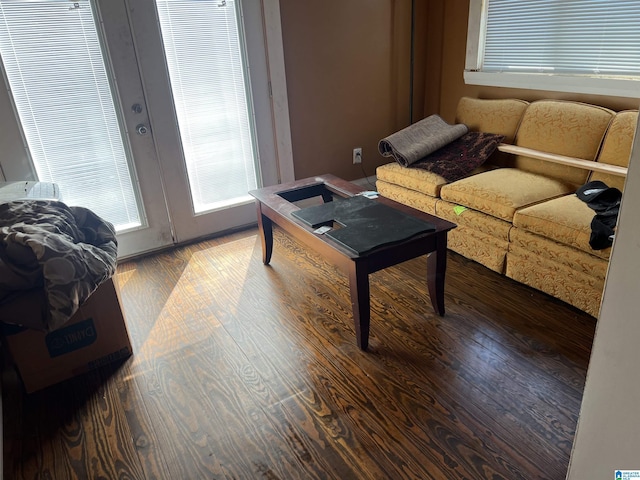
(628, 87)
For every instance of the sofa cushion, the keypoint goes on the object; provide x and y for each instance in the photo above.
(492, 116)
(581, 290)
(503, 191)
(566, 220)
(478, 221)
(480, 247)
(521, 240)
(616, 148)
(406, 196)
(412, 178)
(565, 128)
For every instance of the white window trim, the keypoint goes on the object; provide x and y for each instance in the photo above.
(588, 84)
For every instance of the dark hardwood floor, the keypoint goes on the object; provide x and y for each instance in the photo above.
(243, 371)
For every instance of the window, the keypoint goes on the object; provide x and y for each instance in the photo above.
(582, 46)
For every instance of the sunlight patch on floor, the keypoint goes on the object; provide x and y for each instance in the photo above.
(192, 311)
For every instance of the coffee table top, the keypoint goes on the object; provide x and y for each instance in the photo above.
(280, 200)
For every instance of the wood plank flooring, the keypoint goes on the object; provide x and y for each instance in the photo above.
(243, 371)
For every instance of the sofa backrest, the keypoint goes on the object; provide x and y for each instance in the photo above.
(616, 148)
(572, 129)
(491, 116)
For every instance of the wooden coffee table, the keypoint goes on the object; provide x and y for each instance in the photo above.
(275, 205)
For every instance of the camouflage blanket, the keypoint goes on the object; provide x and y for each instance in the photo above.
(67, 251)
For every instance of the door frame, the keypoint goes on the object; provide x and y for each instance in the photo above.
(127, 89)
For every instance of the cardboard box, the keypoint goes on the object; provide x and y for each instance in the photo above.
(96, 335)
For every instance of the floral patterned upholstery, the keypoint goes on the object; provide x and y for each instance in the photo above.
(549, 244)
(581, 290)
(501, 116)
(412, 178)
(616, 148)
(524, 220)
(566, 220)
(419, 201)
(478, 246)
(490, 116)
(539, 247)
(501, 192)
(565, 128)
(479, 236)
(473, 219)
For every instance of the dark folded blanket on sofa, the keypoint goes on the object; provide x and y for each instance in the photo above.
(460, 157)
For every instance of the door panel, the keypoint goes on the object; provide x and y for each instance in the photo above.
(70, 115)
(134, 55)
(164, 123)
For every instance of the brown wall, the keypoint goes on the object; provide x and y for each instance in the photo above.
(347, 67)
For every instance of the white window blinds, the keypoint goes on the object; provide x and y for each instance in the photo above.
(203, 46)
(53, 61)
(576, 37)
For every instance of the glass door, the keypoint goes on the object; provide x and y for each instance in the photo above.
(144, 111)
(204, 68)
(203, 51)
(72, 117)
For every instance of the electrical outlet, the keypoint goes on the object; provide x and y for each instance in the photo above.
(357, 155)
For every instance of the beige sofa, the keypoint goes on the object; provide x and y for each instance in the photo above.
(518, 214)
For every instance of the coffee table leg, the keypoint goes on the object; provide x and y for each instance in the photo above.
(265, 226)
(436, 268)
(359, 289)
